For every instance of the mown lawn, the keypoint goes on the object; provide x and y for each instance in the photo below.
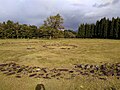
(59, 53)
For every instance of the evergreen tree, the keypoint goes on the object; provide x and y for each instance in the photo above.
(81, 31)
(116, 27)
(112, 29)
(92, 32)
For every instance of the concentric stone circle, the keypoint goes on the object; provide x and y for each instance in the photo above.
(60, 46)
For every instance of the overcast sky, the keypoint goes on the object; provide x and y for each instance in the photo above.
(74, 12)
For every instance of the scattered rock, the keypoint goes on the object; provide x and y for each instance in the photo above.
(118, 77)
(92, 71)
(18, 76)
(118, 73)
(10, 73)
(63, 69)
(20, 70)
(3, 69)
(3, 64)
(44, 69)
(71, 71)
(58, 74)
(102, 78)
(32, 75)
(103, 70)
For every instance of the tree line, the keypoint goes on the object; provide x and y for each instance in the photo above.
(53, 28)
(103, 28)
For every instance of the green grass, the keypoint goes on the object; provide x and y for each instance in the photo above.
(33, 53)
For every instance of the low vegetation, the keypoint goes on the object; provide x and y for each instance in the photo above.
(63, 64)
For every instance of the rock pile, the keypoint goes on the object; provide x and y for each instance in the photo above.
(19, 71)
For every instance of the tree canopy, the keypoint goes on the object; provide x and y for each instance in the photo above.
(103, 28)
(54, 22)
(53, 28)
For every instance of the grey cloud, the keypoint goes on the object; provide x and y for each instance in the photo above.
(36, 11)
(115, 1)
(73, 18)
(105, 4)
(77, 4)
(101, 5)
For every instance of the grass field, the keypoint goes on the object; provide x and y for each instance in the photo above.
(59, 53)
